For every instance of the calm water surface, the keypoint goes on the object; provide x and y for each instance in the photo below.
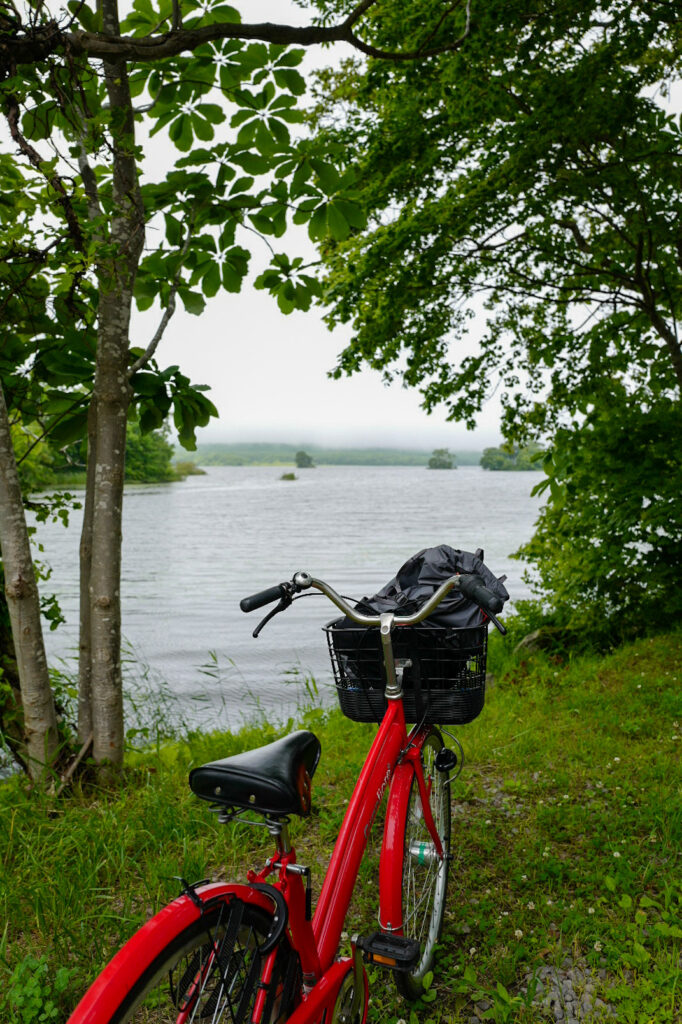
(191, 550)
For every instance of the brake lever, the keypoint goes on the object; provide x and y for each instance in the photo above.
(498, 625)
(281, 606)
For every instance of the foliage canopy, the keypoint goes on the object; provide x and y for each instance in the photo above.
(528, 186)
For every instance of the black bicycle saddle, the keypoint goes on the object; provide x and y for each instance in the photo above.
(273, 780)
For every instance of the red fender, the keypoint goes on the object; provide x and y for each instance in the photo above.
(108, 990)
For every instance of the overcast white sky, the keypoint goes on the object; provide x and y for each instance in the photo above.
(268, 372)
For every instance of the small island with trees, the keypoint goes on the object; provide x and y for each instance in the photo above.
(304, 461)
(442, 458)
(512, 458)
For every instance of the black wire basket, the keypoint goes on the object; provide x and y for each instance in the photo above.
(443, 680)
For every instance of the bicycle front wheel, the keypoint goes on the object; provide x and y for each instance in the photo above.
(424, 873)
(209, 971)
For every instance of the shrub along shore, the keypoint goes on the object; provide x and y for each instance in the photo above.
(565, 891)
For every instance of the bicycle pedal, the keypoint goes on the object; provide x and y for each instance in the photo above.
(394, 951)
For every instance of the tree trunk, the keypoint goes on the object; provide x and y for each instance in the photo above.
(85, 637)
(116, 279)
(21, 590)
(112, 398)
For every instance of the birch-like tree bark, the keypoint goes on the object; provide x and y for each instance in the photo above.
(21, 591)
(85, 638)
(112, 393)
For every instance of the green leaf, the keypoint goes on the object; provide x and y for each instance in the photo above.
(212, 112)
(90, 19)
(327, 174)
(264, 139)
(317, 227)
(210, 282)
(262, 223)
(287, 78)
(338, 226)
(289, 58)
(202, 128)
(224, 13)
(193, 302)
(174, 230)
(70, 428)
(252, 163)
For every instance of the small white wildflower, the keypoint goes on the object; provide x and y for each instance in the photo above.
(518, 934)
(674, 736)
(488, 892)
(598, 947)
(344, 936)
(600, 785)
(544, 853)
(617, 760)
(639, 686)
(524, 878)
(676, 725)
(616, 853)
(590, 910)
(549, 903)
(530, 905)
(566, 796)
(472, 951)
(457, 967)
(401, 1020)
(505, 913)
(488, 821)
(540, 802)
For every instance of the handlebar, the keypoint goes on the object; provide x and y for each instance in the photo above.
(470, 585)
(263, 597)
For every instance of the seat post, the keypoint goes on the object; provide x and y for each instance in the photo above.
(279, 829)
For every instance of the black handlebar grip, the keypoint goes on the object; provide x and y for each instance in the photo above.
(473, 588)
(263, 597)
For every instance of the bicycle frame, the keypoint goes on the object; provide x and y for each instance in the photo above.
(394, 758)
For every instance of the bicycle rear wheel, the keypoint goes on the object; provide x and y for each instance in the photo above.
(210, 971)
(424, 874)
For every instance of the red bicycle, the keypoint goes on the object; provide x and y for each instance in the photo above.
(255, 953)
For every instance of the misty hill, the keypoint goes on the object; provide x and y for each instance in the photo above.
(269, 454)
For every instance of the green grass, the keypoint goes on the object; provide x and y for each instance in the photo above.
(567, 827)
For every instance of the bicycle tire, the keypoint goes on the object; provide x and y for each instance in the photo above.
(210, 971)
(424, 875)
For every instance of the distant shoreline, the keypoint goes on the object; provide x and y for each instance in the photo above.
(265, 454)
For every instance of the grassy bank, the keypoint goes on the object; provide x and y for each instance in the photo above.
(567, 824)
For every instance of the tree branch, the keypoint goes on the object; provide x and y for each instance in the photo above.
(33, 47)
(53, 179)
(168, 312)
(358, 12)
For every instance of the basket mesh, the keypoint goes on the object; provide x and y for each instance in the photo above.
(445, 682)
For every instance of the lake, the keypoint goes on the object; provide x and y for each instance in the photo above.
(192, 550)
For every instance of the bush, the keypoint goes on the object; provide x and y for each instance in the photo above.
(607, 551)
